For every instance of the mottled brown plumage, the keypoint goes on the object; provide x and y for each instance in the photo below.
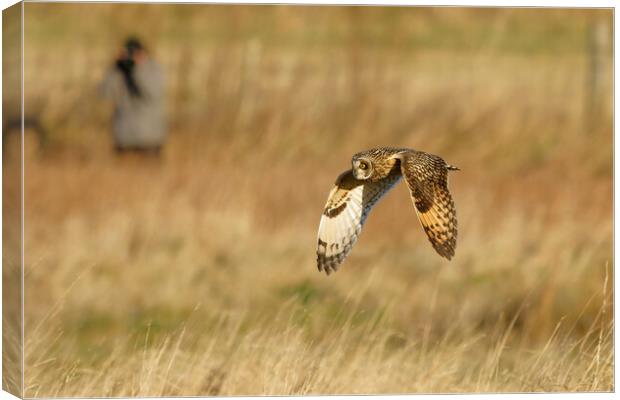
(374, 172)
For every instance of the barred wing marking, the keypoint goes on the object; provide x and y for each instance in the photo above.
(427, 178)
(347, 208)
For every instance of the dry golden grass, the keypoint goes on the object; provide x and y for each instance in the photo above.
(196, 275)
(194, 292)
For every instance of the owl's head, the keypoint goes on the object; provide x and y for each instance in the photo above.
(362, 167)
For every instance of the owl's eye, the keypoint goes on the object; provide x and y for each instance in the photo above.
(363, 165)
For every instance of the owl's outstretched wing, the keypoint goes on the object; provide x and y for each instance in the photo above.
(347, 208)
(427, 178)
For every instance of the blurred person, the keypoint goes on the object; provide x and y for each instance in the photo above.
(135, 83)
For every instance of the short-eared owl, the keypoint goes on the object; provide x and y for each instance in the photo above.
(373, 173)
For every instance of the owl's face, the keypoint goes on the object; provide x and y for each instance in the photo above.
(362, 168)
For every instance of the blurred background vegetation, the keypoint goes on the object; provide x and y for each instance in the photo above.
(196, 274)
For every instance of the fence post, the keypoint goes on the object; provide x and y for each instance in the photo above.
(596, 70)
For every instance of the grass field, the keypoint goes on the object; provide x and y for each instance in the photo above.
(196, 275)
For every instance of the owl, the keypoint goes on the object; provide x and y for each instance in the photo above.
(374, 172)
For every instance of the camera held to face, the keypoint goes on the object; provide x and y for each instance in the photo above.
(125, 64)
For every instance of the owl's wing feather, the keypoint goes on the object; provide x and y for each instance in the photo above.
(427, 178)
(347, 208)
